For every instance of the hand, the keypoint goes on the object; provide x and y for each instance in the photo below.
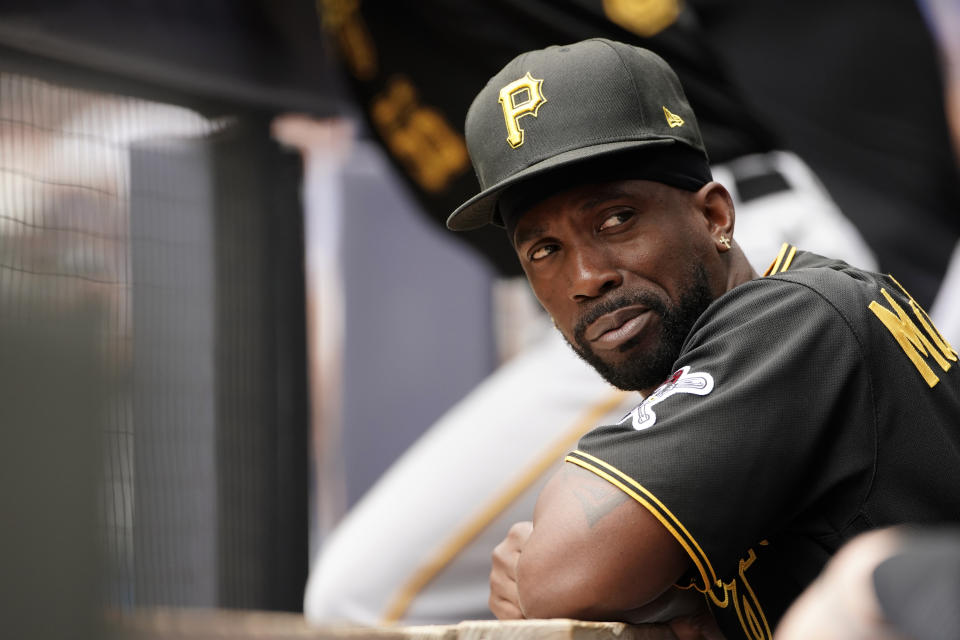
(699, 626)
(504, 595)
(684, 611)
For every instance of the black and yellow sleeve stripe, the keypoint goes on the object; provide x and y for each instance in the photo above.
(710, 583)
(784, 258)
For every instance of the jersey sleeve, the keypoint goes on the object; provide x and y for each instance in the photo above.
(741, 439)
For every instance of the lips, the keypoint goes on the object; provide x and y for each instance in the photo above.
(617, 326)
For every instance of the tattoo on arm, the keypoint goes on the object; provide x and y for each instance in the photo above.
(596, 496)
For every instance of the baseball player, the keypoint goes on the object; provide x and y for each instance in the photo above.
(433, 568)
(783, 414)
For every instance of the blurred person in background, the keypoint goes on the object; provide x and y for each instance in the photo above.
(897, 584)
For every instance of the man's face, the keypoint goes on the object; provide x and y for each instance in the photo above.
(625, 268)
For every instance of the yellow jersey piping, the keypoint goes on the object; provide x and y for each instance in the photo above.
(660, 511)
(776, 263)
(783, 260)
(786, 263)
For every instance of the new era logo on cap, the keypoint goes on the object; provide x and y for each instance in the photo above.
(672, 119)
(562, 105)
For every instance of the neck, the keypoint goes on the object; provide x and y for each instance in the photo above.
(740, 268)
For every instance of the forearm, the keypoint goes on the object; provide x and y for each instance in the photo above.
(556, 590)
(570, 594)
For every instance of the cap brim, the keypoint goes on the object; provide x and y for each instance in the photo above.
(479, 210)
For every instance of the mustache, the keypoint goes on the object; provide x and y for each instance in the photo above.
(609, 305)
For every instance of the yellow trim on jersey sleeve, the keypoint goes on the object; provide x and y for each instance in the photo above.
(786, 263)
(776, 263)
(660, 511)
(783, 260)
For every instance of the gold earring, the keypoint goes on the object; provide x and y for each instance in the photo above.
(725, 241)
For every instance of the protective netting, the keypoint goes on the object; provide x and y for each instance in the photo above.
(158, 217)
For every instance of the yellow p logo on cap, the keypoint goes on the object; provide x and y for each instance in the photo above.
(522, 97)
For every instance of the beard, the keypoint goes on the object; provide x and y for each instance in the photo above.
(647, 370)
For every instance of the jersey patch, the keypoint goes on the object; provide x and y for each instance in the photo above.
(699, 383)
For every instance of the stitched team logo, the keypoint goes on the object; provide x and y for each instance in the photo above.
(698, 383)
(522, 97)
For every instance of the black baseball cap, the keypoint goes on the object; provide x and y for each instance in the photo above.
(581, 103)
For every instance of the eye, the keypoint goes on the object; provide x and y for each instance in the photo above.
(616, 219)
(541, 252)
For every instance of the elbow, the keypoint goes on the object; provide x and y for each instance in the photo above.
(557, 590)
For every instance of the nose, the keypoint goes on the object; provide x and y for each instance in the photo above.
(592, 275)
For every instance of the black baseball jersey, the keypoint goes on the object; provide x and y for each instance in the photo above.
(807, 406)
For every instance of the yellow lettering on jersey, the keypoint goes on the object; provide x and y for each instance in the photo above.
(358, 49)
(419, 136)
(749, 612)
(748, 608)
(522, 97)
(343, 19)
(927, 323)
(334, 13)
(915, 344)
(643, 17)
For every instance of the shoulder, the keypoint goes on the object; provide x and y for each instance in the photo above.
(834, 280)
(800, 288)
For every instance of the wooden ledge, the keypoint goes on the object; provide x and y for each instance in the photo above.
(219, 624)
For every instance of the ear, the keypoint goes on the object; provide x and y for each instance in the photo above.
(715, 203)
